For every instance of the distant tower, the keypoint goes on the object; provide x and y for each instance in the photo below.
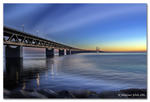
(97, 49)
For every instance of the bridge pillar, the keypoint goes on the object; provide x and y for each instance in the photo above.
(14, 69)
(14, 52)
(61, 52)
(49, 52)
(68, 52)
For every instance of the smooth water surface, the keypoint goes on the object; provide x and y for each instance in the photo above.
(86, 71)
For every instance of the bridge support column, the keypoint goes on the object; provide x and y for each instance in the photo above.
(49, 52)
(14, 69)
(14, 52)
(61, 52)
(68, 52)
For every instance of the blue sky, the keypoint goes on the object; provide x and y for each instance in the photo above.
(112, 27)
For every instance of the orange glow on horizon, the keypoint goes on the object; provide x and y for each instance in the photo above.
(126, 49)
(139, 48)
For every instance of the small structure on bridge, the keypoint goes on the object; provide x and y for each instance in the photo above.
(97, 49)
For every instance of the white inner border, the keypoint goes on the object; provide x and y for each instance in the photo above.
(68, 1)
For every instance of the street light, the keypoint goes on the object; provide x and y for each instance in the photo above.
(22, 27)
(37, 32)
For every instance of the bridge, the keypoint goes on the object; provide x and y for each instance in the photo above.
(14, 41)
(13, 37)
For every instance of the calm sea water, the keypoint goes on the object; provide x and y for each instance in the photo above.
(86, 71)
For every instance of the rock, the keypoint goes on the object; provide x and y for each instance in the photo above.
(48, 93)
(65, 94)
(17, 94)
(93, 95)
(25, 94)
(84, 94)
(6, 93)
(35, 94)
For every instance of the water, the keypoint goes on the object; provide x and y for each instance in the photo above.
(87, 71)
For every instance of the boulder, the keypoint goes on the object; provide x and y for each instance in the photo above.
(65, 94)
(6, 93)
(85, 94)
(25, 94)
(48, 93)
(93, 95)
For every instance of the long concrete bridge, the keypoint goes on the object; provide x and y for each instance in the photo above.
(13, 37)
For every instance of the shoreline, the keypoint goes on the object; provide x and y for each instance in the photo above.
(133, 93)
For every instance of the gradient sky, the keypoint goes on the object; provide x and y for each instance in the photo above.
(111, 27)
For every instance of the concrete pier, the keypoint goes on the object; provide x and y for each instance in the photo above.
(49, 52)
(14, 52)
(68, 52)
(14, 69)
(61, 52)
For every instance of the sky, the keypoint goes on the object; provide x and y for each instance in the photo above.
(111, 27)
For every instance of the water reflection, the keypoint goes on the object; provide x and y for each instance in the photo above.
(46, 75)
(92, 72)
(24, 85)
(13, 72)
(38, 80)
(19, 71)
(50, 63)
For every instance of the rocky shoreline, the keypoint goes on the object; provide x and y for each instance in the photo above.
(47, 93)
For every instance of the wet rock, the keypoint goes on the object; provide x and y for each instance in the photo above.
(84, 94)
(35, 94)
(25, 94)
(48, 93)
(65, 94)
(18, 94)
(29, 90)
(93, 95)
(6, 93)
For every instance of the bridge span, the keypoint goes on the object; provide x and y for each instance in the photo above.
(13, 37)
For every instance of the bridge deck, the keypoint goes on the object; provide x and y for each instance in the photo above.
(19, 38)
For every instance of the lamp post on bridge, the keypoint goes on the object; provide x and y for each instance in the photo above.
(22, 27)
(37, 32)
(97, 49)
